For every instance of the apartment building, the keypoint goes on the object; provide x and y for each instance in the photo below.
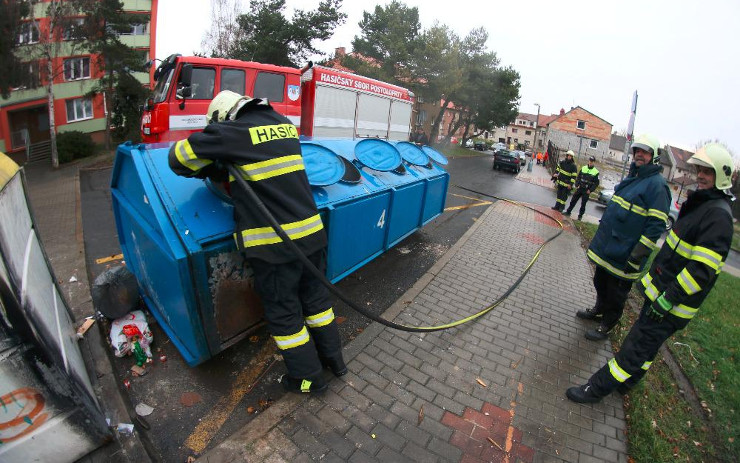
(24, 116)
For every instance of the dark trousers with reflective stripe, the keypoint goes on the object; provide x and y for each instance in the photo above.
(289, 294)
(640, 346)
(579, 194)
(611, 294)
(562, 197)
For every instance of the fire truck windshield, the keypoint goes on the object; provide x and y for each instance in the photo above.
(159, 94)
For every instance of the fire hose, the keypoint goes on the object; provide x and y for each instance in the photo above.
(341, 296)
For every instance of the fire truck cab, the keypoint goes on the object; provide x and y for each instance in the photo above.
(186, 85)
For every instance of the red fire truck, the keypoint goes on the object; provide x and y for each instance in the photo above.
(320, 101)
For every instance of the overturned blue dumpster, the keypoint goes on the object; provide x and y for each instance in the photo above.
(176, 233)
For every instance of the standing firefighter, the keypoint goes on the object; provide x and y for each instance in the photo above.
(564, 178)
(586, 182)
(263, 145)
(632, 223)
(682, 274)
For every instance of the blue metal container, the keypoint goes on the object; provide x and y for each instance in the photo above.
(176, 232)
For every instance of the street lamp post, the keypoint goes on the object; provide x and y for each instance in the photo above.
(536, 128)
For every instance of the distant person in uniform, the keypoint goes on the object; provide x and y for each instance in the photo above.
(586, 182)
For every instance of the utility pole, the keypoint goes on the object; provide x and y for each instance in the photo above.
(536, 129)
(630, 129)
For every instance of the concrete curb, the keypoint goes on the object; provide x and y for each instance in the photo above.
(236, 446)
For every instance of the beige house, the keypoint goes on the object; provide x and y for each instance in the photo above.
(581, 131)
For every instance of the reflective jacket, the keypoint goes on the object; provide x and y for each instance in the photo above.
(264, 146)
(692, 257)
(588, 178)
(566, 173)
(633, 221)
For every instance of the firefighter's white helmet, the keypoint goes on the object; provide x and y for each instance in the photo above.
(647, 143)
(225, 106)
(570, 153)
(717, 157)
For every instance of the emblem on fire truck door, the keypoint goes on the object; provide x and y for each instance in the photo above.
(294, 91)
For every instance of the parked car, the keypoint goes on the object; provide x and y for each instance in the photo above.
(469, 143)
(522, 157)
(504, 159)
(480, 146)
(606, 195)
(499, 146)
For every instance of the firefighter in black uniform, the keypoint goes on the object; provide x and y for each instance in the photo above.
(586, 182)
(264, 147)
(564, 178)
(681, 276)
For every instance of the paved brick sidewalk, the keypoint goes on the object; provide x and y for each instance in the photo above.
(539, 176)
(526, 353)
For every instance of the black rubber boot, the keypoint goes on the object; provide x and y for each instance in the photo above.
(303, 385)
(555, 208)
(582, 394)
(589, 314)
(566, 213)
(599, 334)
(623, 389)
(580, 217)
(336, 365)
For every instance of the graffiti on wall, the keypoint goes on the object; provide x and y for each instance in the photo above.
(21, 413)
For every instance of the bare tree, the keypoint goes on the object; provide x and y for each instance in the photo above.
(224, 31)
(60, 34)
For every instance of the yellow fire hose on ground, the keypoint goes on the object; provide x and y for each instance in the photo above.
(341, 296)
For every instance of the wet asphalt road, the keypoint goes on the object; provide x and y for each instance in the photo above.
(171, 386)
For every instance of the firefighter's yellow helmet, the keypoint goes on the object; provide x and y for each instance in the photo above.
(717, 157)
(648, 143)
(225, 106)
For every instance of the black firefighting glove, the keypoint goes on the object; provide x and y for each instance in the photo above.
(659, 307)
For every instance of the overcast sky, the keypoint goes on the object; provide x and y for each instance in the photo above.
(682, 57)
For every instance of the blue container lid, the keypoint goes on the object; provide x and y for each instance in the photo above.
(435, 155)
(412, 153)
(378, 154)
(323, 167)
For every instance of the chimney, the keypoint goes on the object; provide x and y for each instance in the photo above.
(562, 111)
(339, 52)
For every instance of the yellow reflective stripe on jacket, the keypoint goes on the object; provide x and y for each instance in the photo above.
(271, 168)
(630, 206)
(617, 372)
(697, 253)
(187, 157)
(645, 366)
(684, 311)
(708, 257)
(295, 230)
(293, 340)
(320, 319)
(599, 261)
(658, 213)
(648, 242)
(651, 291)
(688, 283)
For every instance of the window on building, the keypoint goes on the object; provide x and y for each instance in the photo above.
(234, 80)
(581, 125)
(31, 78)
(421, 117)
(77, 68)
(528, 132)
(74, 29)
(593, 144)
(137, 29)
(28, 32)
(514, 130)
(79, 109)
(270, 86)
